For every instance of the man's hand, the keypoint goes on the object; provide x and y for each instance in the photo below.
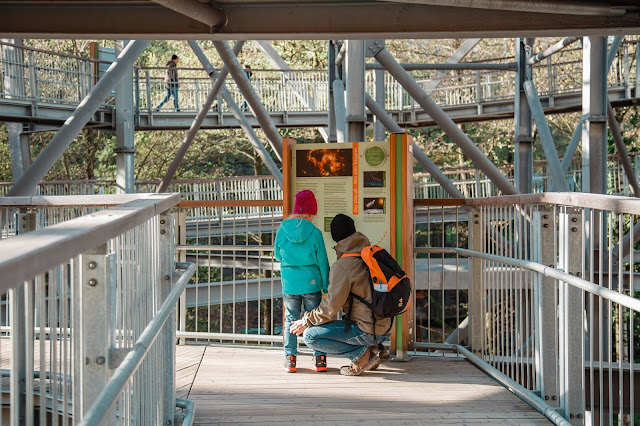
(297, 327)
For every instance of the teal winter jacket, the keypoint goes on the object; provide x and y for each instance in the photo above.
(303, 259)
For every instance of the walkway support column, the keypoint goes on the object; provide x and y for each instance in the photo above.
(522, 114)
(356, 117)
(441, 118)
(75, 123)
(125, 150)
(594, 130)
(250, 95)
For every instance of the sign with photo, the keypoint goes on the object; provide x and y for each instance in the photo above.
(350, 178)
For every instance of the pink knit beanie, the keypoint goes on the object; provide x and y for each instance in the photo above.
(305, 203)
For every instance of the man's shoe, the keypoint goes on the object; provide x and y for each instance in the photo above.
(321, 363)
(383, 355)
(365, 362)
(290, 364)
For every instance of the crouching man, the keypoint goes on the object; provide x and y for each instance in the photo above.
(348, 274)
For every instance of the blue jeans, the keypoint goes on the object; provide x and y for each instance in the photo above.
(293, 304)
(173, 91)
(331, 339)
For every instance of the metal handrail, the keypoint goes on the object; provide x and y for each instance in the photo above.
(557, 274)
(33, 253)
(134, 358)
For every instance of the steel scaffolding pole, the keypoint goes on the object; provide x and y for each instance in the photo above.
(354, 65)
(453, 61)
(332, 74)
(441, 118)
(340, 110)
(523, 150)
(277, 61)
(247, 90)
(74, 124)
(378, 126)
(552, 49)
(125, 150)
(418, 154)
(550, 152)
(594, 130)
(622, 150)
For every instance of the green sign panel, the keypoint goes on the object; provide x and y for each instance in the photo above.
(374, 156)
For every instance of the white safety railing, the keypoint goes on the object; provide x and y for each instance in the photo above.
(236, 294)
(543, 289)
(87, 328)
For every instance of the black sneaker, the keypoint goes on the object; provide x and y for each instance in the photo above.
(321, 363)
(290, 364)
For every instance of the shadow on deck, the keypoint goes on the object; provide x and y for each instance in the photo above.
(248, 385)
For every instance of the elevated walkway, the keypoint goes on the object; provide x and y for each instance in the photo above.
(248, 385)
(51, 85)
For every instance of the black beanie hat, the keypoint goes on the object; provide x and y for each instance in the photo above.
(342, 226)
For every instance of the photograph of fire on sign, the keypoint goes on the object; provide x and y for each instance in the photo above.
(324, 162)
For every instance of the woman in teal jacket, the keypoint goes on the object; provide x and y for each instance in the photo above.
(304, 269)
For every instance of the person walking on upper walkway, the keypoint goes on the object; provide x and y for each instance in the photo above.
(171, 83)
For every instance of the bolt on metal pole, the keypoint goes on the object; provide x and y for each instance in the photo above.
(74, 124)
(443, 120)
(250, 95)
(418, 154)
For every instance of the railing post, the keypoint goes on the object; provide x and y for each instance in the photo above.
(149, 105)
(637, 91)
(479, 91)
(21, 320)
(476, 292)
(167, 268)
(181, 239)
(137, 100)
(545, 303)
(571, 317)
(33, 79)
(94, 317)
(626, 71)
(550, 82)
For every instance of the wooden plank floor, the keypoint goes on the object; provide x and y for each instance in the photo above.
(248, 386)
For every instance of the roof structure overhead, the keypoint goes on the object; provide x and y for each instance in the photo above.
(315, 19)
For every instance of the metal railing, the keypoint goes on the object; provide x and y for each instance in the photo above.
(543, 289)
(42, 76)
(91, 285)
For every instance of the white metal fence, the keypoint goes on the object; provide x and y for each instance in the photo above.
(87, 329)
(549, 283)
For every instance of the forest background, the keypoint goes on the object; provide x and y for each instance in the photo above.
(227, 152)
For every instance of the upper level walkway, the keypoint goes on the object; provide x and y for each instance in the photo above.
(51, 85)
(248, 385)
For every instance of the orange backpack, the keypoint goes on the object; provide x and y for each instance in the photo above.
(390, 287)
